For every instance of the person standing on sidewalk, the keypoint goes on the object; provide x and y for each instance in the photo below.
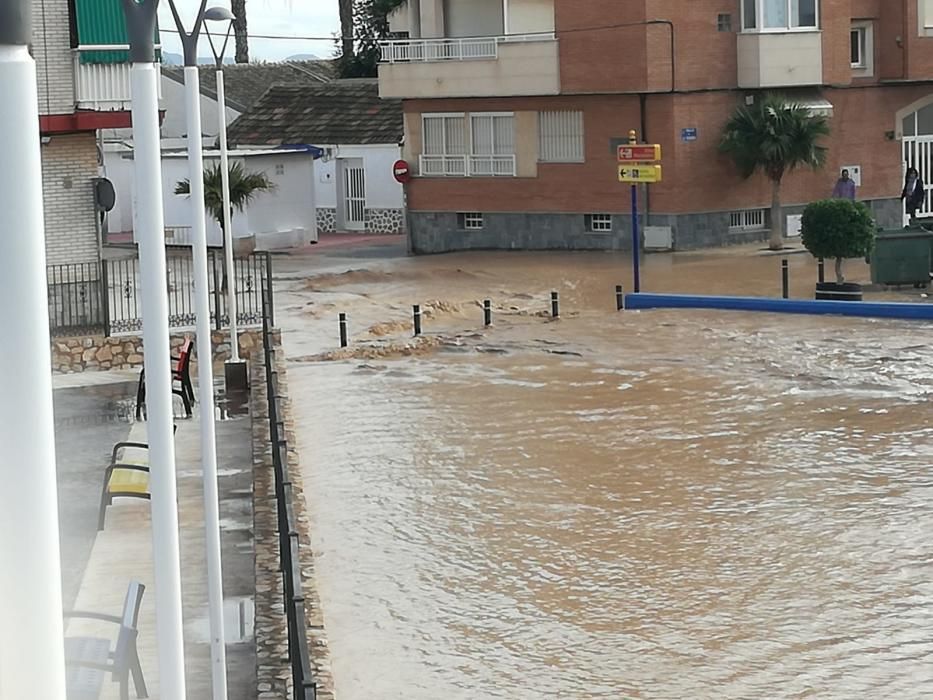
(914, 193)
(845, 187)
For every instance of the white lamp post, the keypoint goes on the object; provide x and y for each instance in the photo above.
(31, 647)
(149, 225)
(215, 590)
(235, 371)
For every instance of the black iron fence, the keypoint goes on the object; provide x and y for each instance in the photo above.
(304, 687)
(104, 298)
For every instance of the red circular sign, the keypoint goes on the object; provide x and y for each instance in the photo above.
(401, 171)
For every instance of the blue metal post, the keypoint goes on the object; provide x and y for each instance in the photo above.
(636, 242)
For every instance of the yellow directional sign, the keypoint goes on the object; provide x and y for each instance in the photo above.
(639, 172)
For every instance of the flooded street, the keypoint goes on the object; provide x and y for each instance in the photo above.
(665, 504)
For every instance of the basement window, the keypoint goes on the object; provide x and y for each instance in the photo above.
(599, 223)
(470, 222)
(748, 220)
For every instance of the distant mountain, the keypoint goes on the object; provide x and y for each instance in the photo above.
(304, 57)
(176, 59)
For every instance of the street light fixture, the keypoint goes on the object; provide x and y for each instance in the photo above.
(235, 370)
(215, 591)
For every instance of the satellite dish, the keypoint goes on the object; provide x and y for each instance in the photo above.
(104, 195)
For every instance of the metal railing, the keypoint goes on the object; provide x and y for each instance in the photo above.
(467, 166)
(303, 684)
(104, 298)
(103, 86)
(465, 49)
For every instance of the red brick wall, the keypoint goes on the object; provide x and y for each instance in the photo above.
(836, 23)
(603, 60)
(696, 176)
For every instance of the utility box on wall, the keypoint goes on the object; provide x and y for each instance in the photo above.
(659, 238)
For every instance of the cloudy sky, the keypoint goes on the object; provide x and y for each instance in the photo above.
(275, 17)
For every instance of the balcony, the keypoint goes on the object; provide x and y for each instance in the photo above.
(514, 64)
(466, 166)
(103, 86)
(780, 59)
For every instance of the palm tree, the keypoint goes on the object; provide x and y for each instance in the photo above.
(244, 186)
(775, 136)
(346, 29)
(240, 38)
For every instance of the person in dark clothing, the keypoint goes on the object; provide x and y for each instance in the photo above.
(914, 194)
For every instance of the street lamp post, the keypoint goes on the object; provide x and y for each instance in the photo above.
(32, 660)
(150, 228)
(215, 591)
(234, 370)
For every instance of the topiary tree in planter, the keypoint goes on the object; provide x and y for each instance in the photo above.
(838, 228)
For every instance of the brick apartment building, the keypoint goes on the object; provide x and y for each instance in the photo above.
(513, 109)
(81, 89)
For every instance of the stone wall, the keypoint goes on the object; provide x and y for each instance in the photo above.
(273, 672)
(94, 353)
(442, 232)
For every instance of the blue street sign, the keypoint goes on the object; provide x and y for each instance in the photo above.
(688, 134)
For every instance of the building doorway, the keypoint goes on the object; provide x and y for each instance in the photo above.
(917, 144)
(352, 194)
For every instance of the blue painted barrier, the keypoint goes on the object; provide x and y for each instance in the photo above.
(861, 309)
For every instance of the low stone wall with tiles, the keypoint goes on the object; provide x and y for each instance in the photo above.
(326, 220)
(390, 221)
(273, 672)
(97, 352)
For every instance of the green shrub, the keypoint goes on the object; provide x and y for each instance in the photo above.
(838, 228)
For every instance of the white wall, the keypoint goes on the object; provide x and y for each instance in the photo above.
(530, 16)
(382, 191)
(173, 102)
(282, 218)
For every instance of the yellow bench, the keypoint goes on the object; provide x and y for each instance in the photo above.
(127, 476)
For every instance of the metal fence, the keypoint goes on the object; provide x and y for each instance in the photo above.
(304, 687)
(104, 298)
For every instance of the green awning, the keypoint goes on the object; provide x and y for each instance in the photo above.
(101, 22)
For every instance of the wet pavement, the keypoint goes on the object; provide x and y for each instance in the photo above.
(657, 504)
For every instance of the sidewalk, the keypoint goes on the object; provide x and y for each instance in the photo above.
(123, 552)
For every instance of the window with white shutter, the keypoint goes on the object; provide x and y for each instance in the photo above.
(560, 137)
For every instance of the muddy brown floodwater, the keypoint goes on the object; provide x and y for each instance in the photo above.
(667, 504)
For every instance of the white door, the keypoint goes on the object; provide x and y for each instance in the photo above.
(918, 152)
(354, 194)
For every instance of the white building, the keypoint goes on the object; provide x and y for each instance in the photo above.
(360, 136)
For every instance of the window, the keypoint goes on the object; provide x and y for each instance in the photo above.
(599, 223)
(492, 144)
(861, 49)
(444, 145)
(747, 220)
(778, 15)
(560, 137)
(455, 146)
(925, 17)
(724, 23)
(470, 222)
(279, 168)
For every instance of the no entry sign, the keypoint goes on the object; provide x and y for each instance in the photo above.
(401, 172)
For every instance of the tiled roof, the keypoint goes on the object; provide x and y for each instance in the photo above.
(244, 83)
(340, 112)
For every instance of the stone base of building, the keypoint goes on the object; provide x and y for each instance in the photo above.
(388, 221)
(444, 232)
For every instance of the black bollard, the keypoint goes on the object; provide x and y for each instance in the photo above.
(416, 312)
(620, 298)
(555, 305)
(821, 267)
(487, 313)
(343, 331)
(785, 279)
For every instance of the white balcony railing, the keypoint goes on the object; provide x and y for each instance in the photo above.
(103, 87)
(467, 49)
(467, 166)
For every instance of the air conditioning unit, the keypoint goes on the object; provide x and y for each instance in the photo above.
(659, 238)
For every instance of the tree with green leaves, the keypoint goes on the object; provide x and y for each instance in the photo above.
(244, 186)
(774, 136)
(838, 229)
(370, 25)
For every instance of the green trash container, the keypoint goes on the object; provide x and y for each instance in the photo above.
(902, 257)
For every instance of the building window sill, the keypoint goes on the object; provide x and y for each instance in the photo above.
(784, 30)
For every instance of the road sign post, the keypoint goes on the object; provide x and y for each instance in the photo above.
(638, 163)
